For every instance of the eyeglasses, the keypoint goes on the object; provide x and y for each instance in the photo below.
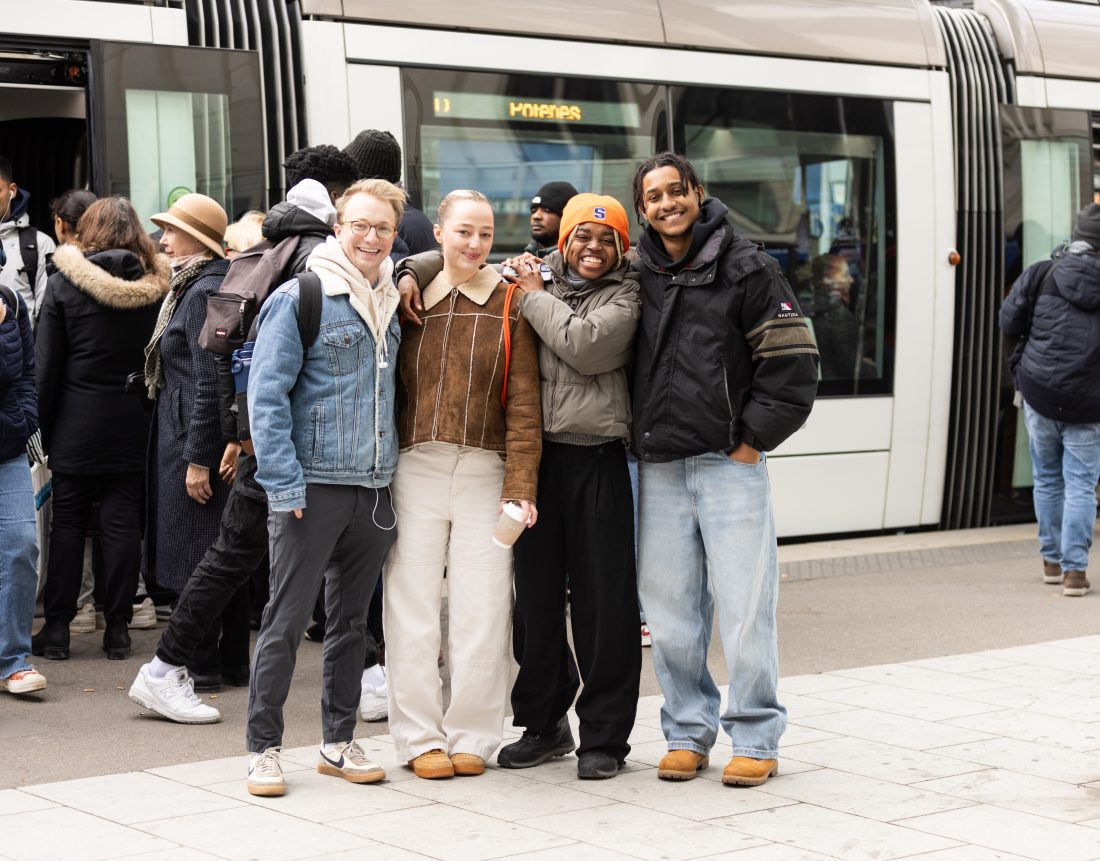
(361, 228)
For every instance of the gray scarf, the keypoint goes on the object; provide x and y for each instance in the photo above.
(154, 372)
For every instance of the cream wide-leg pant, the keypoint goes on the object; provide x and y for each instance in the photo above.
(447, 499)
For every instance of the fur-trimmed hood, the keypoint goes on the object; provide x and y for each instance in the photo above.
(114, 278)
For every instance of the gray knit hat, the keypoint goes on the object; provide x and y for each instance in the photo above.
(1088, 225)
(376, 154)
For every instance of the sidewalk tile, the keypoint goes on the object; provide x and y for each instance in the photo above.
(802, 706)
(796, 733)
(47, 835)
(510, 796)
(1051, 657)
(1023, 792)
(132, 797)
(861, 796)
(1055, 763)
(882, 761)
(1041, 729)
(902, 701)
(771, 852)
(321, 798)
(373, 852)
(213, 770)
(1091, 644)
(249, 832)
(967, 853)
(852, 838)
(894, 729)
(918, 679)
(1012, 831)
(1047, 678)
(572, 852)
(692, 799)
(18, 801)
(1041, 701)
(962, 663)
(815, 683)
(450, 834)
(182, 853)
(643, 833)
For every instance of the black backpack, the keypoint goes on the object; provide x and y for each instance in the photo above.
(28, 250)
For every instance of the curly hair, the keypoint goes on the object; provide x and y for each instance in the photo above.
(324, 163)
(662, 159)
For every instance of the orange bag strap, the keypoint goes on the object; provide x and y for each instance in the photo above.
(507, 344)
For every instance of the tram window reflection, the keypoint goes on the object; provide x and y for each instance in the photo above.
(807, 178)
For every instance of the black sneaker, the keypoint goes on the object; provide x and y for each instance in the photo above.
(597, 765)
(536, 748)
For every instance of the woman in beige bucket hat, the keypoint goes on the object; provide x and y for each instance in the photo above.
(187, 448)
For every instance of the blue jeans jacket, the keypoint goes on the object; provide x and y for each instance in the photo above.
(330, 418)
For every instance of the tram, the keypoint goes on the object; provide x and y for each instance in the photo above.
(870, 139)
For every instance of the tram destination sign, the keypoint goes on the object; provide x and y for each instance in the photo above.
(486, 106)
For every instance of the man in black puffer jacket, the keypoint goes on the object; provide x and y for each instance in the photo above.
(1055, 306)
(315, 176)
(726, 369)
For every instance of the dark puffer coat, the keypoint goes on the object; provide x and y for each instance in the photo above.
(18, 405)
(1059, 370)
(95, 320)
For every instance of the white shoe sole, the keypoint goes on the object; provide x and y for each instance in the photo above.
(1075, 593)
(364, 777)
(267, 791)
(22, 687)
(141, 698)
(1052, 581)
(375, 715)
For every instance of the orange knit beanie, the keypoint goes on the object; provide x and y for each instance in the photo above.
(597, 208)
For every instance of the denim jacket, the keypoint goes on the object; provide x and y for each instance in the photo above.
(330, 418)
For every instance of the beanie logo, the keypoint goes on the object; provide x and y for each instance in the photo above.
(599, 212)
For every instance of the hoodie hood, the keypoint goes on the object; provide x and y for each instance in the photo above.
(556, 261)
(1077, 278)
(712, 219)
(338, 275)
(114, 278)
(307, 211)
(17, 216)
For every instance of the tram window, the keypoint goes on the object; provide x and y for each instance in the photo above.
(807, 177)
(506, 135)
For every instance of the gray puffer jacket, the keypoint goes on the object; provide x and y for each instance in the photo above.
(587, 343)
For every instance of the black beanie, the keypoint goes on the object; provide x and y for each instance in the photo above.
(1088, 225)
(553, 196)
(377, 155)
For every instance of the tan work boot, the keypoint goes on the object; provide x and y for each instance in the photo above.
(1052, 573)
(681, 765)
(1075, 584)
(467, 764)
(746, 771)
(433, 765)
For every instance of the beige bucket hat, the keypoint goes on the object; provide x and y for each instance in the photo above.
(198, 216)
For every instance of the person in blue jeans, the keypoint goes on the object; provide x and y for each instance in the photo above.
(726, 369)
(18, 550)
(1055, 306)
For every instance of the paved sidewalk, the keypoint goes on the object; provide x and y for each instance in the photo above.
(974, 757)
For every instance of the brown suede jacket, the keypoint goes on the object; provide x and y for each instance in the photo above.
(451, 372)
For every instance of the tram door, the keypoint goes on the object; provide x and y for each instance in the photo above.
(1048, 170)
(166, 120)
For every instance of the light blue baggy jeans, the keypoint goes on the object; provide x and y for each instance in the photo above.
(707, 541)
(18, 565)
(1065, 462)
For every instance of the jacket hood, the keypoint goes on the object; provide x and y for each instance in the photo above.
(114, 278)
(556, 261)
(17, 216)
(1078, 279)
(712, 219)
(286, 220)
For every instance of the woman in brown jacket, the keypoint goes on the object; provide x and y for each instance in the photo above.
(470, 431)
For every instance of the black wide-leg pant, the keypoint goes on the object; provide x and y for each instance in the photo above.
(583, 541)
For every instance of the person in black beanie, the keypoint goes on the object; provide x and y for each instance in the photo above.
(546, 209)
(377, 155)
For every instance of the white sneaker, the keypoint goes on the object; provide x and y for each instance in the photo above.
(374, 703)
(173, 697)
(23, 682)
(145, 615)
(349, 761)
(84, 620)
(265, 775)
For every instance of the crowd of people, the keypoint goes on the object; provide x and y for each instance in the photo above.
(395, 396)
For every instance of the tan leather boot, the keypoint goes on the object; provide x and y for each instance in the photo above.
(746, 771)
(681, 765)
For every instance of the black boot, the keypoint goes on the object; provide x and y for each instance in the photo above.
(536, 748)
(52, 641)
(116, 640)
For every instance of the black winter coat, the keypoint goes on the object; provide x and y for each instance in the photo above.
(18, 405)
(95, 320)
(1059, 370)
(723, 354)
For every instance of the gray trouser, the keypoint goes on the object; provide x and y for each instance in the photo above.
(341, 540)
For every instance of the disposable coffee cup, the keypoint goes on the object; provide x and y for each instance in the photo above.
(510, 526)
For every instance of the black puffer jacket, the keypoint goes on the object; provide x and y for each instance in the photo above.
(18, 404)
(95, 320)
(1059, 370)
(723, 354)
